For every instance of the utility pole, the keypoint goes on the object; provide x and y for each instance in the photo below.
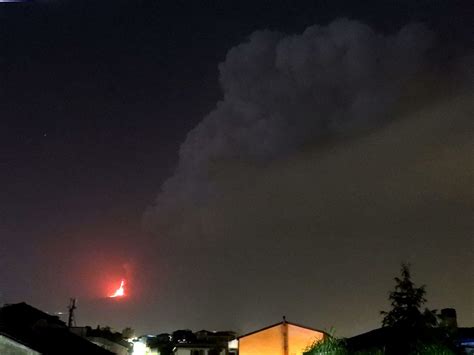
(71, 321)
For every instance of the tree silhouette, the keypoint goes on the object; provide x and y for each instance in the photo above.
(407, 301)
(407, 329)
(128, 333)
(411, 328)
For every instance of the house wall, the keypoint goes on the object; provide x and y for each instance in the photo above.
(300, 338)
(271, 342)
(109, 345)
(10, 347)
(265, 342)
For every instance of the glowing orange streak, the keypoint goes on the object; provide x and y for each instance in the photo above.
(120, 292)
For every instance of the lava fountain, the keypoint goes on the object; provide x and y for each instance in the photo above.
(120, 292)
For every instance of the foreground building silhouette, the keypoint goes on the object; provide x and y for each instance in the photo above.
(25, 330)
(283, 338)
(382, 338)
(186, 342)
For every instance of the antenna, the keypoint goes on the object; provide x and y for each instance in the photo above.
(71, 321)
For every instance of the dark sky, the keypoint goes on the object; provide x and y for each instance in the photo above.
(310, 173)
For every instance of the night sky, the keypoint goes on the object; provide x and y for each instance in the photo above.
(236, 161)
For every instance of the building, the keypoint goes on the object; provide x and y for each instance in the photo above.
(197, 349)
(284, 338)
(10, 346)
(31, 331)
(203, 342)
(140, 346)
(387, 338)
(207, 343)
(105, 338)
(186, 342)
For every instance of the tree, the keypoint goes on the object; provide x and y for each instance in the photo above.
(183, 336)
(128, 333)
(332, 345)
(163, 342)
(407, 301)
(329, 345)
(407, 328)
(412, 329)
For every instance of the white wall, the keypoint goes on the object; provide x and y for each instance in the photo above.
(10, 347)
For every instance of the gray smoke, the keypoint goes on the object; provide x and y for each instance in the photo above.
(333, 156)
(282, 92)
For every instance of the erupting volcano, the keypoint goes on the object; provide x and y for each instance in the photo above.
(120, 292)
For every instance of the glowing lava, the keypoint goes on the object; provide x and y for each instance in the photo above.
(120, 292)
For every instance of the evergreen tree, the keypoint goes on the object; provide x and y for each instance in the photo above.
(411, 329)
(407, 301)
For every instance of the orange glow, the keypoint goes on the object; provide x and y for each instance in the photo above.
(120, 292)
(270, 341)
(299, 338)
(265, 342)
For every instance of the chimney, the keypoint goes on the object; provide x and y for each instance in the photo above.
(449, 318)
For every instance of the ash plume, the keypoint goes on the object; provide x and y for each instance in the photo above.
(338, 151)
(283, 92)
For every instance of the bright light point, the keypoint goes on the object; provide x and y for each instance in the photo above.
(120, 292)
(139, 348)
